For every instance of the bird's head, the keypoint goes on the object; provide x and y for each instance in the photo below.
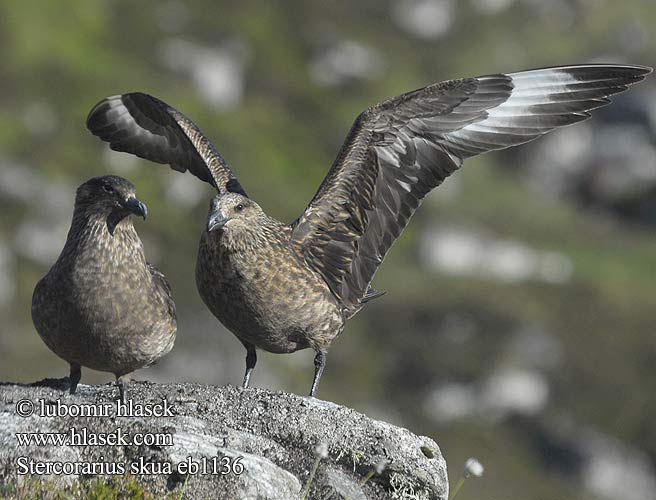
(110, 197)
(233, 213)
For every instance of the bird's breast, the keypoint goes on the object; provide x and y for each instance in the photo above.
(98, 305)
(267, 297)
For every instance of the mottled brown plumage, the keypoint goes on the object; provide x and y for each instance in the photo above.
(252, 279)
(102, 305)
(284, 287)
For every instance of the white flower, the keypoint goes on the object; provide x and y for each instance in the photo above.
(380, 466)
(321, 450)
(473, 468)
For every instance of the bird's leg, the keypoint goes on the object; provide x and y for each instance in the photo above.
(74, 377)
(319, 364)
(123, 382)
(251, 359)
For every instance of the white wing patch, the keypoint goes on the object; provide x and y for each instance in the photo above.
(539, 101)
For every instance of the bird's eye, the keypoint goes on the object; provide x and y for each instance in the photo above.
(239, 208)
(107, 188)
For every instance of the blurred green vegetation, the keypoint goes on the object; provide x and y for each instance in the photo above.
(113, 488)
(281, 137)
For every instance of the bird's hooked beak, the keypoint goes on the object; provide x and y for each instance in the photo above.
(216, 220)
(133, 205)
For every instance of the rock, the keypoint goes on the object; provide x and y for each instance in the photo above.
(253, 443)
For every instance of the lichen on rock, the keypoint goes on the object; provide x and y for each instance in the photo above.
(231, 442)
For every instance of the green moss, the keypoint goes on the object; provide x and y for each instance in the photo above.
(114, 488)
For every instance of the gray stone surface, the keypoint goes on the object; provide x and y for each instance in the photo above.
(275, 434)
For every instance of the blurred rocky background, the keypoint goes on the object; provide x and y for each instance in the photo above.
(519, 324)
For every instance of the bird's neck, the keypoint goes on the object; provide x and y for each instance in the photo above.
(96, 232)
(267, 232)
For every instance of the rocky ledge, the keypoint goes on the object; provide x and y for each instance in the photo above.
(213, 442)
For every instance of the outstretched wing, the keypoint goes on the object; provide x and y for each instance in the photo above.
(143, 125)
(400, 149)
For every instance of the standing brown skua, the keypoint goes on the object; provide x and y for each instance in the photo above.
(102, 305)
(284, 287)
